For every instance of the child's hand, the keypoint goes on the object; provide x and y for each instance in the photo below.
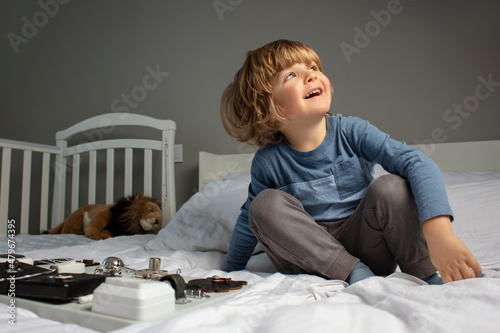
(447, 252)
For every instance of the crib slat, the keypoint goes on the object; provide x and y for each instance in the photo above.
(75, 182)
(148, 172)
(4, 190)
(25, 192)
(110, 166)
(58, 204)
(128, 171)
(92, 176)
(44, 193)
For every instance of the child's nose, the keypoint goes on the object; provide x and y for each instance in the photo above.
(311, 76)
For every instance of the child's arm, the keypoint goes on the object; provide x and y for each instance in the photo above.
(447, 252)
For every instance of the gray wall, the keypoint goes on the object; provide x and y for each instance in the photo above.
(418, 74)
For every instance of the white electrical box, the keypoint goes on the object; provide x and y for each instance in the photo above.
(134, 299)
(178, 153)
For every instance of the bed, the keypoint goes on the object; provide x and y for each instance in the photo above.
(198, 234)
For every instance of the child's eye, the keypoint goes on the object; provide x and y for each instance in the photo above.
(289, 76)
(313, 68)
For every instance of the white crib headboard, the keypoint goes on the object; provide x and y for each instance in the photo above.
(96, 128)
(116, 149)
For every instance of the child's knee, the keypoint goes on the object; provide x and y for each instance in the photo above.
(264, 203)
(391, 188)
(269, 205)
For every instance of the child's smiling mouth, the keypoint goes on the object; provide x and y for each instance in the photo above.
(313, 93)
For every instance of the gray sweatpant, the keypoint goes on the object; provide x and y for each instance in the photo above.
(383, 232)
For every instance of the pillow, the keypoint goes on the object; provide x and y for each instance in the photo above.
(239, 177)
(477, 219)
(206, 221)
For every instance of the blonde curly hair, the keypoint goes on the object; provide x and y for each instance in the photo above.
(248, 111)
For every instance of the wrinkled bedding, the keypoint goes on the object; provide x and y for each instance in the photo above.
(274, 302)
(195, 242)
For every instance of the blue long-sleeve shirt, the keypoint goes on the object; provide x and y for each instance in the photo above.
(331, 179)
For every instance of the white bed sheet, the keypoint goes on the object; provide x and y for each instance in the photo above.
(24, 243)
(274, 302)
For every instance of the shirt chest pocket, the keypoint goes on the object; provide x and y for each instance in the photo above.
(349, 177)
(312, 194)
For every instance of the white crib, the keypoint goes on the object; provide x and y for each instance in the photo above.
(96, 160)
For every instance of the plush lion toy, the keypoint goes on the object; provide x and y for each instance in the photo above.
(131, 215)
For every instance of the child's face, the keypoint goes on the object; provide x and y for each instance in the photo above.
(302, 91)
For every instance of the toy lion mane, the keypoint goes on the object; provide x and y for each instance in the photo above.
(130, 215)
